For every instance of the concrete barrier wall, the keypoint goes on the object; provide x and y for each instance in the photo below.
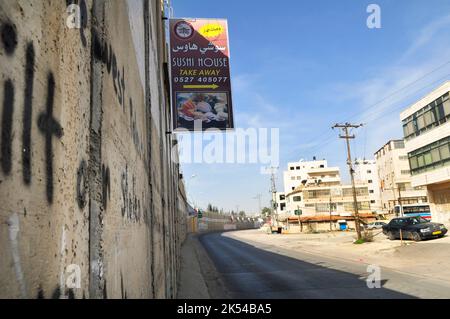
(91, 202)
(213, 222)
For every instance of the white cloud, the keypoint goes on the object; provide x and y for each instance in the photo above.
(427, 35)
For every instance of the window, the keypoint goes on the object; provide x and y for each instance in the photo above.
(360, 191)
(444, 151)
(311, 194)
(322, 207)
(361, 206)
(429, 117)
(403, 158)
(370, 181)
(420, 122)
(435, 155)
(298, 168)
(291, 168)
(282, 197)
(293, 178)
(369, 172)
(282, 206)
(297, 198)
(405, 172)
(430, 157)
(371, 191)
(446, 107)
(427, 158)
(399, 144)
(372, 202)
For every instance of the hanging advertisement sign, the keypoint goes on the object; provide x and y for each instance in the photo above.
(200, 74)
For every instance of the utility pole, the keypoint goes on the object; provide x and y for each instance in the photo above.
(345, 128)
(400, 201)
(273, 190)
(331, 224)
(258, 197)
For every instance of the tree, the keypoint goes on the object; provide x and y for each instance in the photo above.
(266, 211)
(241, 213)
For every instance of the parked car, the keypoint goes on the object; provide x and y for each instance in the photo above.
(413, 228)
(375, 225)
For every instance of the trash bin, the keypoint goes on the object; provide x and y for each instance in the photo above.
(342, 225)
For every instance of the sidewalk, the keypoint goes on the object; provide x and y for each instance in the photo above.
(198, 276)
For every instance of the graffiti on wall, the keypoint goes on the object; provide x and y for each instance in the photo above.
(133, 206)
(104, 53)
(46, 123)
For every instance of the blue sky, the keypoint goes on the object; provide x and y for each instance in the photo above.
(302, 66)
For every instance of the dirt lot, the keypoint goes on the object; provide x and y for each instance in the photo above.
(428, 258)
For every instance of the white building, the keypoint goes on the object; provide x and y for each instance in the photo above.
(281, 202)
(307, 172)
(366, 173)
(395, 177)
(304, 173)
(426, 127)
(326, 200)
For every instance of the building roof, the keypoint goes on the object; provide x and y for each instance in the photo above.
(389, 142)
(425, 100)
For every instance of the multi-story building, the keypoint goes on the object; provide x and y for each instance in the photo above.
(317, 200)
(304, 173)
(281, 202)
(426, 127)
(366, 173)
(307, 172)
(394, 177)
(316, 190)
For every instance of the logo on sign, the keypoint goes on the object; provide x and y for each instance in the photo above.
(184, 30)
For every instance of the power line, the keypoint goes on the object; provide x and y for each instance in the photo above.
(394, 93)
(382, 114)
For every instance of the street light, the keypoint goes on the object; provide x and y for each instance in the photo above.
(187, 189)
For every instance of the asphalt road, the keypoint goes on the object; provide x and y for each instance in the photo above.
(251, 272)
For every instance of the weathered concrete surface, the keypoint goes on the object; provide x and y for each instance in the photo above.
(213, 222)
(87, 178)
(199, 278)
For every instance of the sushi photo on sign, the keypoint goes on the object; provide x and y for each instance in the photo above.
(200, 74)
